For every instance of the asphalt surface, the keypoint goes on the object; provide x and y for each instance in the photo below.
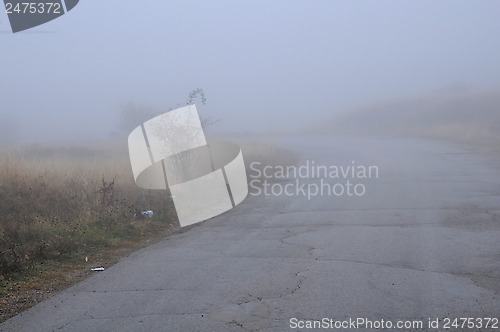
(423, 242)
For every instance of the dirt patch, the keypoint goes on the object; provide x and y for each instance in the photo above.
(24, 292)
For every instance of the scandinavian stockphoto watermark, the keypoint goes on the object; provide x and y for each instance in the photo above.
(27, 14)
(432, 323)
(311, 179)
(170, 151)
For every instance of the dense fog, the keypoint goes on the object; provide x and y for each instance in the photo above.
(277, 66)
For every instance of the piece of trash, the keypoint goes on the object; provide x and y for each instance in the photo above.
(97, 269)
(148, 213)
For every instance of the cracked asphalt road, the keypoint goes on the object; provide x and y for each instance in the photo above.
(423, 242)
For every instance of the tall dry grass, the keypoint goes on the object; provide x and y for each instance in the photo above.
(59, 202)
(264, 154)
(65, 202)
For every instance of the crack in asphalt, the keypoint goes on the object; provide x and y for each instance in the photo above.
(300, 276)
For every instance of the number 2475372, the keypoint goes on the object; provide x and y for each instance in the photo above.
(33, 8)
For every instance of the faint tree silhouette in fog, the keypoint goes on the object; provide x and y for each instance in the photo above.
(133, 114)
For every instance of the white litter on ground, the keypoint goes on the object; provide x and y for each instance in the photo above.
(148, 213)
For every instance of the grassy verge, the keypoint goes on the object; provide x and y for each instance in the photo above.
(264, 154)
(67, 209)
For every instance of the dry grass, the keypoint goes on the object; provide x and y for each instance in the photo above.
(64, 203)
(65, 209)
(266, 154)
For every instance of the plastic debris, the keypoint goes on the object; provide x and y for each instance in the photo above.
(148, 213)
(97, 269)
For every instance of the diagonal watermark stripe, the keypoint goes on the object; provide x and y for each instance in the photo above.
(171, 151)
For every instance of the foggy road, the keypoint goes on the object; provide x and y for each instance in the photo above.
(420, 243)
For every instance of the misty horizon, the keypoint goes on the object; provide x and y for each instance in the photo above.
(264, 67)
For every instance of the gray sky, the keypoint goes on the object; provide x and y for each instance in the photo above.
(264, 65)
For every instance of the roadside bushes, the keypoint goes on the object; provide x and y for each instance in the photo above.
(62, 203)
(58, 205)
